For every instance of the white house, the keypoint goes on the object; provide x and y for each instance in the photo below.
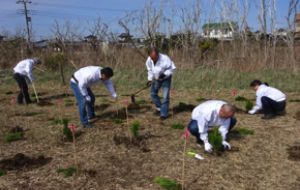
(224, 30)
(297, 23)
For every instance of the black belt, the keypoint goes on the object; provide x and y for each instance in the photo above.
(75, 78)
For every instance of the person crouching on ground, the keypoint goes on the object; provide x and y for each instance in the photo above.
(208, 114)
(22, 71)
(160, 67)
(271, 100)
(81, 82)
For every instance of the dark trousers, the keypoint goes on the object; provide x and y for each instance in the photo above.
(194, 130)
(271, 106)
(22, 85)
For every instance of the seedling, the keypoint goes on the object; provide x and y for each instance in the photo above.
(12, 137)
(33, 94)
(67, 100)
(239, 98)
(244, 131)
(296, 100)
(33, 113)
(168, 184)
(135, 128)
(117, 121)
(249, 104)
(56, 121)
(215, 140)
(2, 172)
(66, 131)
(200, 99)
(9, 92)
(181, 105)
(104, 100)
(68, 171)
(177, 125)
(140, 101)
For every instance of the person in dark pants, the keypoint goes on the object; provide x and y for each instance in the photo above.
(269, 99)
(208, 114)
(23, 72)
(160, 67)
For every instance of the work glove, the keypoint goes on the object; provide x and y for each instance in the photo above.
(208, 147)
(162, 76)
(115, 95)
(226, 144)
(149, 83)
(88, 98)
(251, 112)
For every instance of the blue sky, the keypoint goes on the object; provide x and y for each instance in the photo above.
(78, 11)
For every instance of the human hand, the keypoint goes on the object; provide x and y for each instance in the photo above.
(208, 147)
(226, 144)
(251, 112)
(162, 76)
(88, 98)
(149, 83)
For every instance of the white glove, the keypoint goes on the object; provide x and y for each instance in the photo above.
(252, 112)
(115, 95)
(88, 98)
(226, 144)
(208, 147)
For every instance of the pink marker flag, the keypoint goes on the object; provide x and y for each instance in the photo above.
(0, 81)
(213, 81)
(233, 93)
(22, 89)
(71, 127)
(115, 86)
(130, 79)
(116, 110)
(59, 102)
(171, 91)
(186, 134)
(68, 78)
(125, 101)
(66, 89)
(49, 109)
(12, 100)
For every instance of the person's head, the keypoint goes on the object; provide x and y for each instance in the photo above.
(37, 61)
(153, 54)
(255, 84)
(106, 73)
(227, 111)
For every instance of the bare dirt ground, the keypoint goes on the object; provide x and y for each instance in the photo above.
(108, 161)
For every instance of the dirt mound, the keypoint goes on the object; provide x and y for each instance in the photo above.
(16, 129)
(19, 161)
(240, 111)
(140, 143)
(183, 108)
(44, 103)
(297, 115)
(294, 153)
(102, 107)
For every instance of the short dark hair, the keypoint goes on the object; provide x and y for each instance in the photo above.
(255, 82)
(153, 49)
(107, 71)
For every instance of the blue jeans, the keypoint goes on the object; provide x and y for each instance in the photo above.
(271, 106)
(194, 130)
(82, 101)
(164, 106)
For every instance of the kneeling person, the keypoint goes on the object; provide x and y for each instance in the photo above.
(208, 114)
(81, 82)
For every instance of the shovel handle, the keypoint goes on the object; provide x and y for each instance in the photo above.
(144, 87)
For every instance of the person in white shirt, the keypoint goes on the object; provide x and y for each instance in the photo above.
(81, 82)
(208, 114)
(160, 67)
(23, 72)
(269, 99)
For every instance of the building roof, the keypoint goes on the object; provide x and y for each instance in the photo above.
(219, 25)
(297, 17)
(123, 35)
(91, 36)
(1, 36)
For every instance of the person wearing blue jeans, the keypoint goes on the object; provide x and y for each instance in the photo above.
(160, 67)
(81, 82)
(270, 99)
(208, 114)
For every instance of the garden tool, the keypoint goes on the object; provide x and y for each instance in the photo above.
(36, 96)
(196, 155)
(132, 95)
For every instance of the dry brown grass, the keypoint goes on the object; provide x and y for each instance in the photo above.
(261, 162)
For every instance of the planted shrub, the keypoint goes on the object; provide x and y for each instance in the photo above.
(104, 100)
(56, 121)
(244, 131)
(66, 130)
(2, 172)
(135, 128)
(177, 125)
(140, 101)
(9, 92)
(12, 137)
(39, 94)
(239, 98)
(215, 140)
(200, 99)
(168, 184)
(117, 121)
(68, 100)
(68, 171)
(249, 104)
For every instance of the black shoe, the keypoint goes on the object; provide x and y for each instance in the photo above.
(20, 103)
(157, 113)
(87, 125)
(269, 116)
(163, 118)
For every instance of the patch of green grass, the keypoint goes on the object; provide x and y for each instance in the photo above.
(200, 99)
(104, 100)
(68, 100)
(2, 172)
(244, 131)
(33, 113)
(135, 128)
(177, 125)
(125, 95)
(12, 137)
(56, 121)
(215, 139)
(117, 121)
(140, 101)
(295, 100)
(9, 92)
(67, 172)
(168, 184)
(239, 98)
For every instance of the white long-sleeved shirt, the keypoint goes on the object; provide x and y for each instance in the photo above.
(164, 65)
(24, 68)
(269, 92)
(207, 115)
(90, 76)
